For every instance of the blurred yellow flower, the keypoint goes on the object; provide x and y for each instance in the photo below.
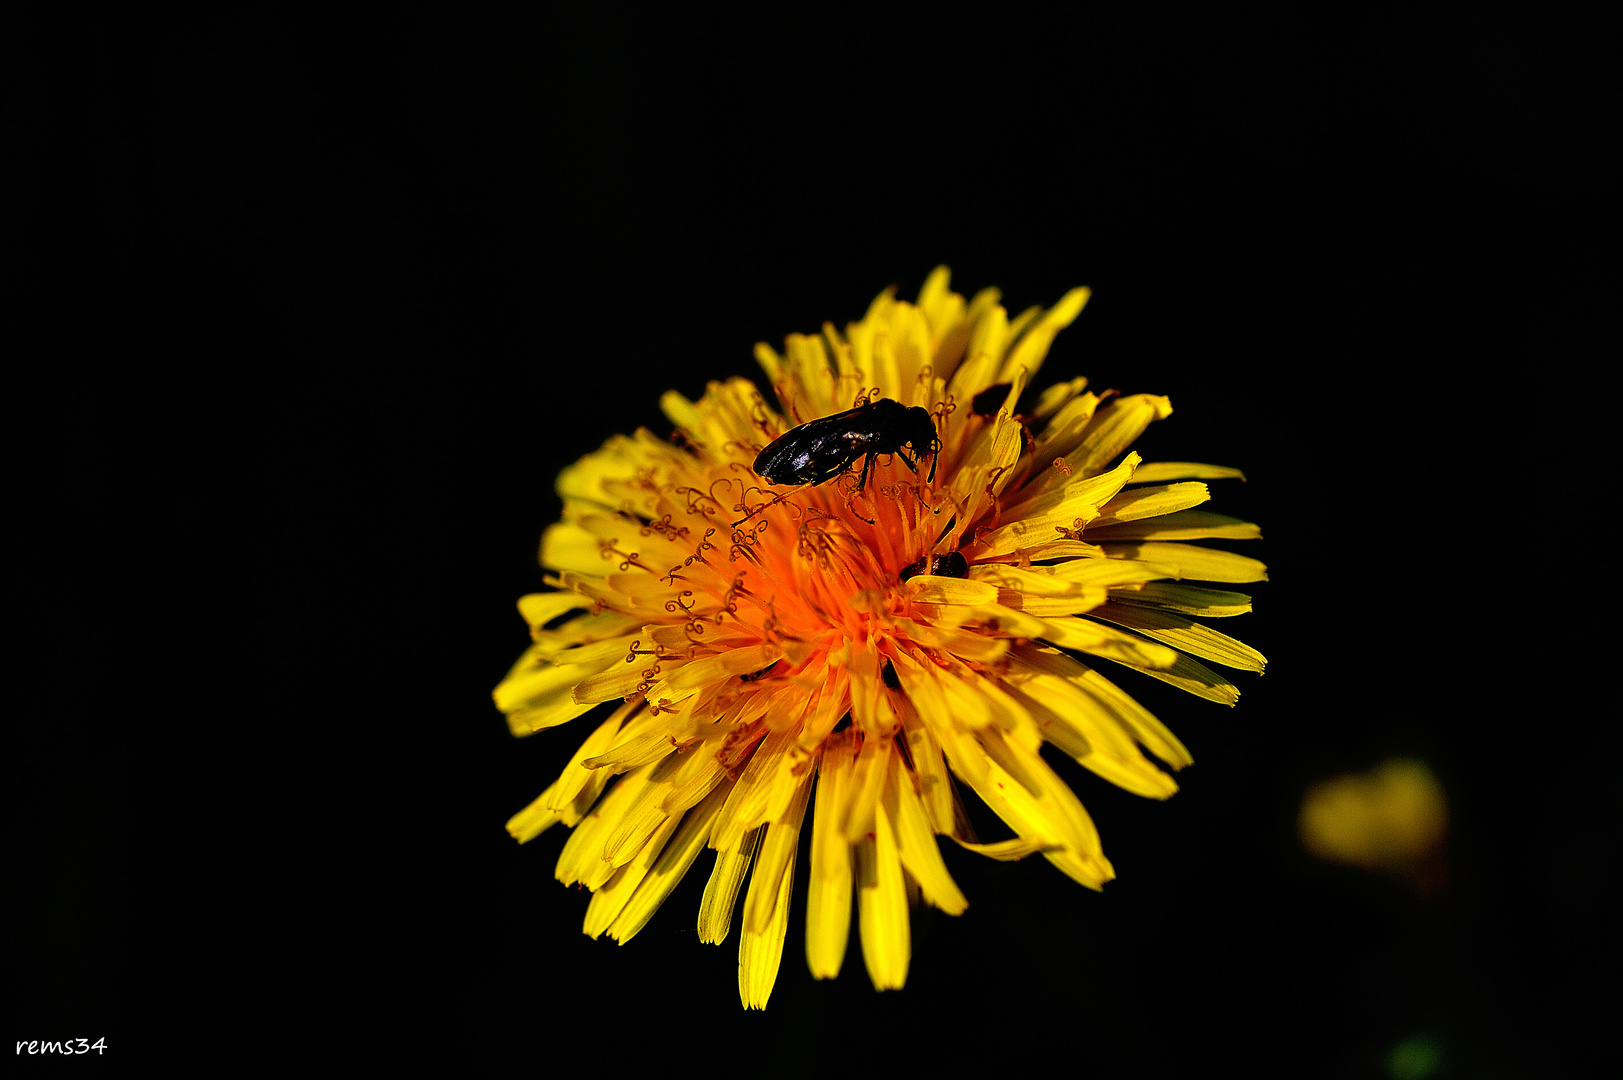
(869, 640)
(1392, 818)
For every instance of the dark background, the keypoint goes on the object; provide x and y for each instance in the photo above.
(346, 297)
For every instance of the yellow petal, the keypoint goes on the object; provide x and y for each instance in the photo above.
(1038, 518)
(929, 589)
(916, 845)
(1162, 471)
(1113, 430)
(567, 546)
(1067, 428)
(751, 797)
(983, 355)
(1159, 472)
(1055, 819)
(616, 681)
(826, 710)
(995, 619)
(698, 774)
(1087, 729)
(992, 454)
(770, 362)
(1191, 561)
(674, 860)
(828, 898)
(534, 819)
(1011, 850)
(611, 898)
(649, 813)
(882, 908)
(867, 781)
(582, 857)
(594, 655)
(578, 787)
(965, 644)
(910, 352)
(1027, 356)
(721, 890)
(1056, 397)
(1120, 710)
(540, 697)
(1040, 581)
(936, 299)
(766, 907)
(1179, 525)
(870, 706)
(1198, 679)
(686, 680)
(1086, 636)
(539, 609)
(1155, 501)
(640, 749)
(1186, 599)
(1186, 634)
(550, 642)
(532, 680)
(929, 770)
(681, 412)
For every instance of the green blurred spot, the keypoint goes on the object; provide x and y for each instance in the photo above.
(1414, 1058)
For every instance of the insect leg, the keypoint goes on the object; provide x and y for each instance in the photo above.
(862, 483)
(867, 461)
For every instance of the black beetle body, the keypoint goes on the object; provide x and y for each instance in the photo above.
(952, 564)
(819, 450)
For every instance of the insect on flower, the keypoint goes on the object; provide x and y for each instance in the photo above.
(952, 564)
(853, 669)
(819, 450)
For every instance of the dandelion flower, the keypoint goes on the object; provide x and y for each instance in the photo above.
(858, 643)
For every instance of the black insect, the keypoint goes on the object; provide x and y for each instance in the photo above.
(952, 564)
(819, 450)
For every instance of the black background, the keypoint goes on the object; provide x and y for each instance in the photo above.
(346, 297)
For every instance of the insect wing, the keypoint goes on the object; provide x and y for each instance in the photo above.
(813, 452)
